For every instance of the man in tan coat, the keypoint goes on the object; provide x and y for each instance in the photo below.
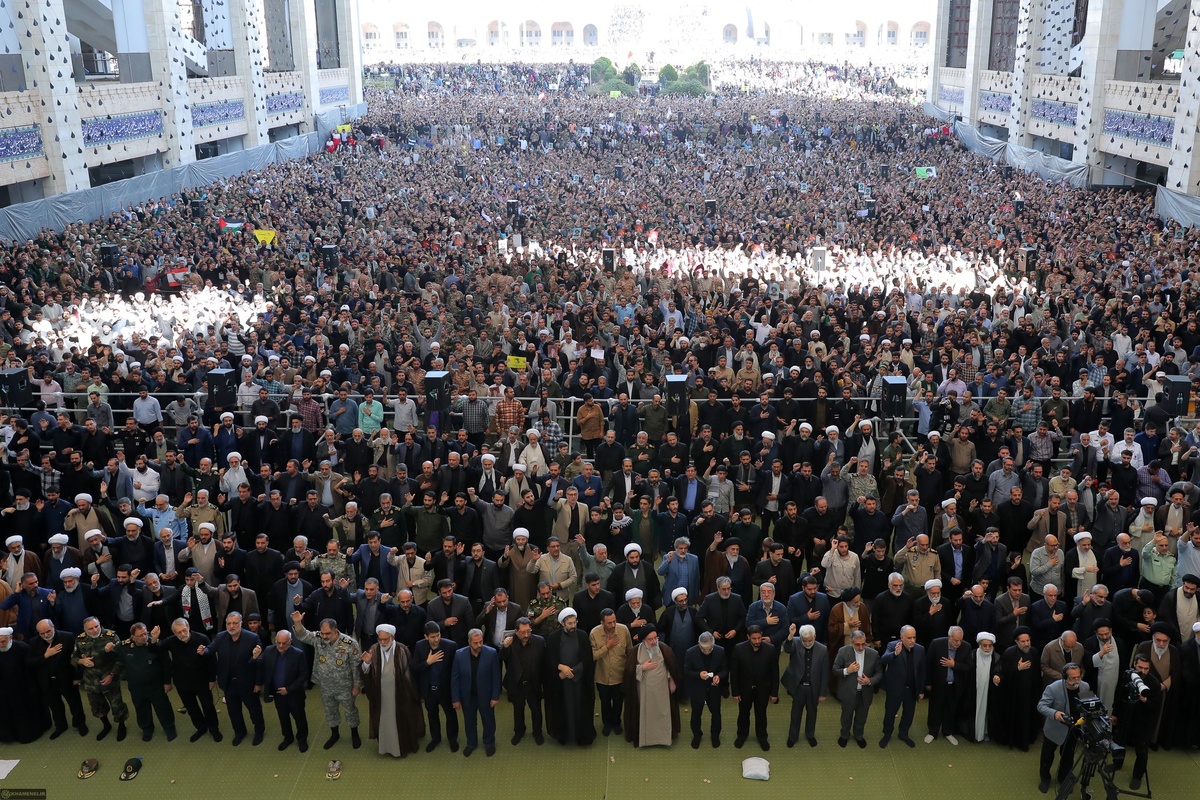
(611, 645)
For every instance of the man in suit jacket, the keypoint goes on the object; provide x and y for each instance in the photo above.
(754, 680)
(193, 675)
(451, 610)
(481, 578)
(950, 666)
(705, 674)
(475, 690)
(372, 562)
(159, 604)
(904, 665)
(498, 617)
(284, 677)
(237, 654)
(371, 608)
(524, 656)
(806, 680)
(51, 652)
(1064, 650)
(433, 660)
(1055, 706)
(858, 670)
(170, 574)
(958, 564)
(723, 614)
(232, 597)
(1012, 610)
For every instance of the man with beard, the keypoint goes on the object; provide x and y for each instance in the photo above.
(754, 680)
(904, 682)
(891, 611)
(858, 670)
(524, 656)
(285, 677)
(395, 713)
(23, 717)
(475, 690)
(101, 674)
(51, 653)
(432, 661)
(569, 659)
(1167, 666)
(1056, 706)
(652, 681)
(193, 675)
(806, 680)
(1020, 686)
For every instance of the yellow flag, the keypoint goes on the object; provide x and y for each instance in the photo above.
(517, 362)
(264, 237)
(344, 128)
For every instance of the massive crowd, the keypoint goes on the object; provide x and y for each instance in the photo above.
(574, 527)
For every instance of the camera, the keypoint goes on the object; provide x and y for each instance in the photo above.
(1094, 728)
(1137, 687)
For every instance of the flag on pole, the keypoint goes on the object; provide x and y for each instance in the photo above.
(230, 225)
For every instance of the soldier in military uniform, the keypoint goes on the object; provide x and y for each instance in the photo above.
(101, 676)
(147, 671)
(335, 562)
(337, 670)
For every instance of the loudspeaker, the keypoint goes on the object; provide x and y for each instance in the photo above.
(197, 209)
(619, 171)
(460, 171)
(15, 390)
(885, 170)
(677, 395)
(512, 208)
(437, 390)
(749, 170)
(222, 387)
(608, 257)
(895, 395)
(110, 256)
(1030, 258)
(546, 116)
(339, 172)
(746, 117)
(710, 208)
(1178, 391)
(714, 102)
(348, 208)
(330, 259)
(479, 117)
(871, 213)
(817, 254)
(1019, 206)
(1006, 172)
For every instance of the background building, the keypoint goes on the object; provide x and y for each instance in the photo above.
(98, 90)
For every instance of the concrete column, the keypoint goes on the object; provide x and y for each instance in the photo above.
(1029, 42)
(1183, 172)
(303, 19)
(1056, 46)
(351, 53)
(937, 35)
(168, 67)
(12, 73)
(133, 43)
(1100, 55)
(1134, 43)
(46, 60)
(979, 45)
(247, 26)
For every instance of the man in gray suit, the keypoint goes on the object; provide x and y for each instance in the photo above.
(1055, 706)
(806, 680)
(858, 670)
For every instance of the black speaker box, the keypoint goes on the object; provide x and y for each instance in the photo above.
(609, 259)
(437, 390)
(895, 395)
(222, 388)
(1178, 391)
(677, 395)
(15, 390)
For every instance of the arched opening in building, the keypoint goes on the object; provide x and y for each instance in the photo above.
(890, 33)
(859, 37)
(562, 34)
(497, 34)
(531, 34)
(920, 34)
(591, 35)
(730, 34)
(437, 35)
(400, 31)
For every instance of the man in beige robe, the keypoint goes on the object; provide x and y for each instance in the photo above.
(652, 685)
(395, 718)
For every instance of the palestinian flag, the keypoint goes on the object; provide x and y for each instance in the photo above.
(229, 226)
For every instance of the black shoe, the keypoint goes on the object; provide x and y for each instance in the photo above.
(453, 745)
(122, 731)
(429, 748)
(716, 740)
(618, 730)
(82, 728)
(467, 751)
(355, 740)
(538, 739)
(216, 735)
(105, 729)
(607, 730)
(302, 745)
(490, 750)
(764, 744)
(739, 741)
(238, 738)
(516, 740)
(862, 743)
(1044, 786)
(286, 743)
(172, 736)
(887, 737)
(147, 735)
(812, 741)
(908, 741)
(334, 735)
(57, 733)
(1135, 782)
(696, 742)
(198, 735)
(843, 741)
(791, 742)
(258, 738)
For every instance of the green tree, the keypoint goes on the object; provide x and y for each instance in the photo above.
(687, 86)
(603, 70)
(699, 71)
(667, 74)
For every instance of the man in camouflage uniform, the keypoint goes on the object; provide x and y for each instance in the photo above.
(148, 673)
(337, 670)
(101, 676)
(336, 563)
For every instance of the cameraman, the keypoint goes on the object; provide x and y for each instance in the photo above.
(1135, 711)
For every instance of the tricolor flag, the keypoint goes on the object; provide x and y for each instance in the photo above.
(230, 225)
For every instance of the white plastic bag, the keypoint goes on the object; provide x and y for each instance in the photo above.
(756, 769)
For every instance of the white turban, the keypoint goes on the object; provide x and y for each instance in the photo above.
(982, 635)
(71, 572)
(83, 496)
(531, 432)
(384, 627)
(94, 532)
(13, 540)
(949, 501)
(634, 594)
(261, 419)
(934, 433)
(6, 631)
(768, 435)
(679, 590)
(520, 532)
(931, 583)
(804, 426)
(831, 429)
(208, 525)
(488, 457)
(1079, 537)
(518, 467)
(132, 521)
(633, 547)
(1149, 501)
(59, 538)
(1196, 627)
(566, 612)
(226, 415)
(233, 455)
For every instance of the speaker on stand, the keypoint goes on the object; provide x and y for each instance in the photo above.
(437, 399)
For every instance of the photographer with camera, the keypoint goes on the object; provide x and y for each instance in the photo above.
(1057, 705)
(1135, 712)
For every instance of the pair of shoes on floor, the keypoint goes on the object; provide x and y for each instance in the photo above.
(334, 771)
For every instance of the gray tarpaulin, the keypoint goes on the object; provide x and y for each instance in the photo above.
(1183, 208)
(24, 220)
(1051, 168)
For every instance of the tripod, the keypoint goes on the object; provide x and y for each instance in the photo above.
(1086, 767)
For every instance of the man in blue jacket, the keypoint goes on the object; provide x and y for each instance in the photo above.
(475, 689)
(284, 678)
(904, 682)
